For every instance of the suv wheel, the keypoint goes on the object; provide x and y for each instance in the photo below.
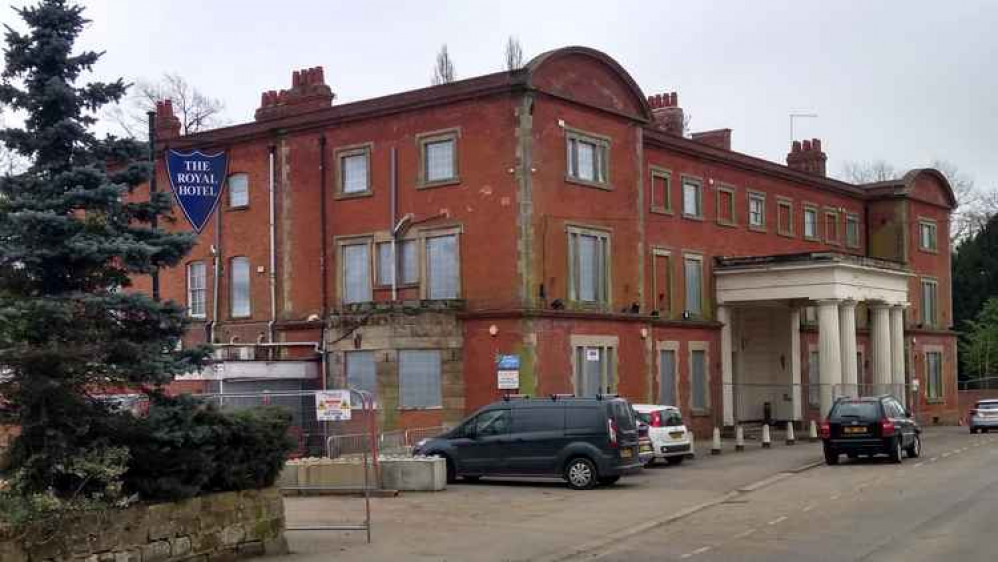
(896, 451)
(915, 450)
(580, 473)
(831, 457)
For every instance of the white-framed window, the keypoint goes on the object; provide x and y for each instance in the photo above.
(197, 281)
(420, 378)
(693, 275)
(589, 266)
(407, 258)
(361, 372)
(356, 272)
(699, 376)
(852, 230)
(692, 198)
(595, 370)
(930, 302)
(756, 210)
(934, 375)
(927, 236)
(238, 190)
(438, 158)
(810, 223)
(239, 277)
(354, 165)
(443, 269)
(587, 158)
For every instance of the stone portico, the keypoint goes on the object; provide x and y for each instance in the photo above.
(760, 302)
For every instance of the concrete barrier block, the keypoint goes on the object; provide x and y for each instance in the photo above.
(422, 474)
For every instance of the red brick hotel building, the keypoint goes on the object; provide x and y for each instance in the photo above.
(558, 214)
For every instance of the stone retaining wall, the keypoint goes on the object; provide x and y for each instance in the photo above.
(217, 527)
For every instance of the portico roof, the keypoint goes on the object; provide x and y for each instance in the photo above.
(812, 276)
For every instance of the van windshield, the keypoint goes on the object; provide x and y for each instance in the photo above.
(987, 405)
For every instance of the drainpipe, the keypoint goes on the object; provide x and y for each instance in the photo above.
(394, 213)
(154, 221)
(324, 296)
(273, 249)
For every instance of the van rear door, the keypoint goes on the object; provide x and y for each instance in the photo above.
(627, 429)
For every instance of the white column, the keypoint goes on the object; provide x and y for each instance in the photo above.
(829, 352)
(847, 339)
(881, 341)
(897, 353)
(727, 389)
(795, 390)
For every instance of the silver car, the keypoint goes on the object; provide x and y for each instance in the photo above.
(984, 416)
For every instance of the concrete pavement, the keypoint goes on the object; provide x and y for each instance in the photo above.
(748, 506)
(529, 520)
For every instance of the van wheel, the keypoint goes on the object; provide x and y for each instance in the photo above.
(451, 470)
(580, 473)
(608, 480)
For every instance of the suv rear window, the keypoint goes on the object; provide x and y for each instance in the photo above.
(987, 405)
(856, 409)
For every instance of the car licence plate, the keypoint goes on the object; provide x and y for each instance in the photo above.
(625, 453)
(646, 449)
(854, 430)
(675, 434)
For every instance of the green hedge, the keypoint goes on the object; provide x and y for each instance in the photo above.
(183, 448)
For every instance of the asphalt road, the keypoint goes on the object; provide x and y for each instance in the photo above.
(941, 507)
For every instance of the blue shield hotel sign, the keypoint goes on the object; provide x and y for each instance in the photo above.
(197, 180)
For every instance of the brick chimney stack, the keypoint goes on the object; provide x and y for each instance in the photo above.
(167, 124)
(806, 156)
(308, 92)
(667, 113)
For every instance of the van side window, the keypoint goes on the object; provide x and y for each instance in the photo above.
(496, 422)
(584, 418)
(526, 420)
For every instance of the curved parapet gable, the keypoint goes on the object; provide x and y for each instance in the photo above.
(931, 186)
(589, 77)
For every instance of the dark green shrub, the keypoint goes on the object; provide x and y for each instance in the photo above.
(185, 447)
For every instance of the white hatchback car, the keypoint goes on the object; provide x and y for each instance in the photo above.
(669, 436)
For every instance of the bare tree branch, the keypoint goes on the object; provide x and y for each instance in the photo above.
(443, 72)
(196, 111)
(869, 172)
(514, 54)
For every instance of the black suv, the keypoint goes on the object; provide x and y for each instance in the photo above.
(869, 426)
(584, 440)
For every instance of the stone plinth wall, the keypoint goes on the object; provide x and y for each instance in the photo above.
(217, 527)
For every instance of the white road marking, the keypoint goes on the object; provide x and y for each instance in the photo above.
(778, 520)
(685, 556)
(808, 507)
(834, 497)
(933, 459)
(744, 534)
(946, 454)
(918, 464)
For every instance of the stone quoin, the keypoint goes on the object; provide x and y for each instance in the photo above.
(559, 214)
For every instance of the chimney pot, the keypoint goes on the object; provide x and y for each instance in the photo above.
(806, 146)
(674, 99)
(816, 144)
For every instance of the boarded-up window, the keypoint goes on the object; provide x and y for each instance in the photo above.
(356, 273)
(442, 271)
(698, 379)
(661, 190)
(930, 310)
(785, 217)
(594, 370)
(419, 379)
(361, 373)
(663, 285)
(934, 375)
(725, 205)
(693, 269)
(240, 280)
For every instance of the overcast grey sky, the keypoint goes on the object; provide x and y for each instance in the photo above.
(907, 82)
